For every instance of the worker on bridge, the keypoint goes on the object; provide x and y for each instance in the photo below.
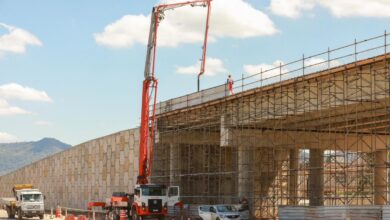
(230, 83)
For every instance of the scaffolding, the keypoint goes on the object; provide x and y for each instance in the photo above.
(312, 132)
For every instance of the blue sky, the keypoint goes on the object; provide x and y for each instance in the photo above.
(73, 70)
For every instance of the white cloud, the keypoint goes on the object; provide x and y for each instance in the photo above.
(7, 138)
(16, 40)
(125, 32)
(42, 123)
(268, 70)
(339, 8)
(320, 63)
(16, 91)
(213, 67)
(7, 110)
(314, 61)
(291, 8)
(233, 18)
(356, 8)
(317, 64)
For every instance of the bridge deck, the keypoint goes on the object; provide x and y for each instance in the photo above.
(319, 137)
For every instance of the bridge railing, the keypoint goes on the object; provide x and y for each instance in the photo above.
(350, 53)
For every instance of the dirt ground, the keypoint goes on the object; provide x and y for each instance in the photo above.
(4, 216)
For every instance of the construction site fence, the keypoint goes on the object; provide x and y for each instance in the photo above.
(326, 60)
(90, 214)
(334, 212)
(187, 212)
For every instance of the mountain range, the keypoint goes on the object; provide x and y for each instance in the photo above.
(19, 154)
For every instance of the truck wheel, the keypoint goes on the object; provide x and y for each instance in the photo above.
(10, 213)
(136, 217)
(40, 216)
(161, 217)
(20, 214)
(110, 215)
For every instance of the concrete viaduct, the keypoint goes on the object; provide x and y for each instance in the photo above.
(315, 139)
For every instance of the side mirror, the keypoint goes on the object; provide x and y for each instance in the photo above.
(44, 197)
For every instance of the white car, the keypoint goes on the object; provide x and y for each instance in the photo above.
(219, 212)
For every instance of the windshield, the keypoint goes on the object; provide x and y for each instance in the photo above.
(154, 191)
(32, 197)
(226, 208)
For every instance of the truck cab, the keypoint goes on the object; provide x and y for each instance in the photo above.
(152, 200)
(29, 203)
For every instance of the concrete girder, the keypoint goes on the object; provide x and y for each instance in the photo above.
(305, 139)
(282, 139)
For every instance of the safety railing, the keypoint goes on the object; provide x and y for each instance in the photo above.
(68, 213)
(358, 50)
(187, 212)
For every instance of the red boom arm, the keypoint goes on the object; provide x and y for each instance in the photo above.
(149, 90)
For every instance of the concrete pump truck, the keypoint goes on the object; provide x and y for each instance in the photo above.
(152, 200)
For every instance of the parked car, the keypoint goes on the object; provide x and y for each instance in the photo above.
(219, 212)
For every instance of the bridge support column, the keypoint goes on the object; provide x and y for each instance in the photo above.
(173, 164)
(293, 177)
(244, 168)
(380, 178)
(316, 177)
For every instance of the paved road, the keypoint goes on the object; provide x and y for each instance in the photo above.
(4, 216)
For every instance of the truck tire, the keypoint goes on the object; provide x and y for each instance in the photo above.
(10, 213)
(161, 217)
(116, 216)
(110, 215)
(136, 217)
(20, 214)
(41, 216)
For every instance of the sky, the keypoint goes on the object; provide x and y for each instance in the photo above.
(73, 70)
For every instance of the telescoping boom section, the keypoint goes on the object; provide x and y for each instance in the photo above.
(150, 200)
(150, 84)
